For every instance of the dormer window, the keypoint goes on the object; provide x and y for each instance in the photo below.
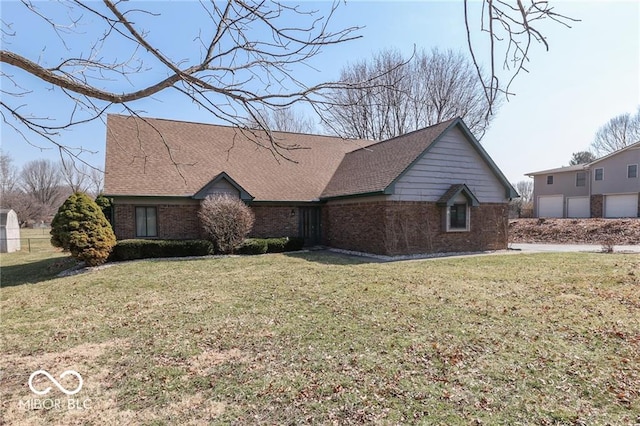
(457, 203)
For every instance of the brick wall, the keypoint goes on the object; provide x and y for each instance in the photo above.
(383, 227)
(354, 226)
(179, 222)
(173, 221)
(275, 221)
(597, 205)
(124, 221)
(396, 227)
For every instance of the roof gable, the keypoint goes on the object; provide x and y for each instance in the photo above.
(377, 168)
(167, 158)
(449, 197)
(222, 177)
(585, 166)
(614, 153)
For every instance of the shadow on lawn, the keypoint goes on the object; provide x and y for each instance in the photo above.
(34, 272)
(332, 258)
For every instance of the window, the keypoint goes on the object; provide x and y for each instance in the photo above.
(458, 217)
(581, 179)
(632, 171)
(146, 224)
(599, 174)
(549, 180)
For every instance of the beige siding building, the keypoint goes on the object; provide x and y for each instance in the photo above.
(606, 187)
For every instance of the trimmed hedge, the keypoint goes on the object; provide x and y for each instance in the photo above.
(146, 249)
(270, 245)
(149, 249)
(294, 244)
(253, 246)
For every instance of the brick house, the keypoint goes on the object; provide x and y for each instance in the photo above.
(432, 190)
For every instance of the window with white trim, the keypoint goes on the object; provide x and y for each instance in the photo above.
(632, 171)
(146, 222)
(598, 174)
(581, 179)
(550, 180)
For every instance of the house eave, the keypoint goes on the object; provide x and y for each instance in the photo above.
(357, 195)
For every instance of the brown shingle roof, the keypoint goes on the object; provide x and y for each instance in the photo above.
(139, 161)
(374, 168)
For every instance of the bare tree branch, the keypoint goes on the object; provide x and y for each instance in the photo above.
(514, 26)
(401, 95)
(245, 59)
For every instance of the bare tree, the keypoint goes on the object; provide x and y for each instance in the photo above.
(581, 157)
(96, 178)
(8, 177)
(523, 206)
(525, 189)
(75, 175)
(283, 120)
(408, 94)
(244, 59)
(241, 57)
(41, 179)
(511, 28)
(619, 132)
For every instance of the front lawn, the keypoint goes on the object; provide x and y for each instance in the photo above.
(319, 338)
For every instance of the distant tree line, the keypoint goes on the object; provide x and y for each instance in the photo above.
(36, 190)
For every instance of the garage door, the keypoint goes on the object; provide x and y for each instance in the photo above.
(550, 206)
(621, 205)
(578, 207)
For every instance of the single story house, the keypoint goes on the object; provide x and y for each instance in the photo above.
(432, 190)
(606, 187)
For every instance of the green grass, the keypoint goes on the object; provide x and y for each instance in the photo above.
(36, 261)
(320, 338)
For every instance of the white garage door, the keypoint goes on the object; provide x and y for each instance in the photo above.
(550, 206)
(578, 207)
(621, 205)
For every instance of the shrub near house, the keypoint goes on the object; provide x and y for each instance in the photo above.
(81, 228)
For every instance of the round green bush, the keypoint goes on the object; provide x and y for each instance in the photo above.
(81, 228)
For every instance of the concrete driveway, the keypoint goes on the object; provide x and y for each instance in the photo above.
(590, 248)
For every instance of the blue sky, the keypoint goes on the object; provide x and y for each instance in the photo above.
(590, 74)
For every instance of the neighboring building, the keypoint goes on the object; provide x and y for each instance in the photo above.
(606, 187)
(432, 190)
(9, 231)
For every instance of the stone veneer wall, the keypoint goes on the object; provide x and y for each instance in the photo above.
(597, 205)
(404, 227)
(275, 221)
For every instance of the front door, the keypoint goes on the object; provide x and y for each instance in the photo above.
(310, 225)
